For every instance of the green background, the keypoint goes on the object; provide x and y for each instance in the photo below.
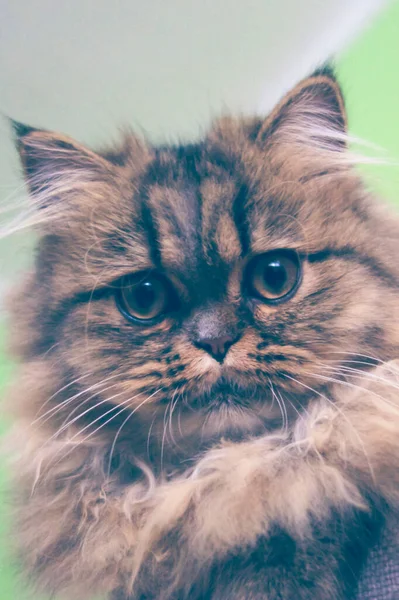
(369, 74)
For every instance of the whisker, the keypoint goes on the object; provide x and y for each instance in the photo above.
(164, 432)
(350, 371)
(94, 407)
(372, 358)
(56, 394)
(124, 406)
(295, 408)
(149, 433)
(283, 422)
(62, 404)
(122, 426)
(179, 422)
(341, 412)
(76, 445)
(354, 386)
(174, 403)
(86, 401)
(284, 407)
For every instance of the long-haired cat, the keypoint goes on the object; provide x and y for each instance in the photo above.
(207, 405)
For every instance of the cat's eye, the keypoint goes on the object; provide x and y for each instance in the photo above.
(275, 276)
(144, 297)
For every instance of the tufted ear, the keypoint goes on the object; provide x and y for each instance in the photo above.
(54, 163)
(313, 112)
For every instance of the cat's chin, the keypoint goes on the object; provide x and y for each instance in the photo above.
(230, 411)
(236, 423)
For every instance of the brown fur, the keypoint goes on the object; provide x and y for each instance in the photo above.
(91, 383)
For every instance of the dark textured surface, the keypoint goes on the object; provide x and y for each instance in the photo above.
(380, 579)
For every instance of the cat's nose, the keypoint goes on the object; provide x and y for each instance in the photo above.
(217, 347)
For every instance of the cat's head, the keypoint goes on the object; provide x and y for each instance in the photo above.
(215, 286)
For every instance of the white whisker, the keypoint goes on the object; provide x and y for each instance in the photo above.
(280, 405)
(353, 386)
(122, 426)
(101, 390)
(57, 393)
(52, 411)
(341, 412)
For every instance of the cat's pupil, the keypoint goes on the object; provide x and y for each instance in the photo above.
(145, 296)
(275, 276)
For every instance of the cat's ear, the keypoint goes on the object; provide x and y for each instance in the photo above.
(53, 163)
(311, 113)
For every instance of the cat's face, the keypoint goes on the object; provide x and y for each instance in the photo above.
(217, 286)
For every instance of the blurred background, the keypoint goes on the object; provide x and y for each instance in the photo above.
(87, 67)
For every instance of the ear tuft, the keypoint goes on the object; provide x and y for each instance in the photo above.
(312, 113)
(52, 162)
(20, 129)
(325, 70)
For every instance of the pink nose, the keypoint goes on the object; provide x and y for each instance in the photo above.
(217, 347)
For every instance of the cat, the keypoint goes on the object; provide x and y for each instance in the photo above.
(207, 405)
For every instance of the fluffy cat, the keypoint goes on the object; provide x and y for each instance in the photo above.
(207, 405)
